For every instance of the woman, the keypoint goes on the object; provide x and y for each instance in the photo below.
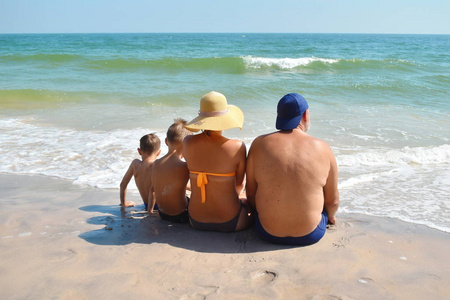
(217, 167)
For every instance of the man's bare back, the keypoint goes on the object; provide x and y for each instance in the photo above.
(291, 179)
(291, 171)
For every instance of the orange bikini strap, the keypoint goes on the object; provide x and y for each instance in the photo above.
(202, 181)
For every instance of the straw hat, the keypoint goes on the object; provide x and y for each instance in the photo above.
(216, 114)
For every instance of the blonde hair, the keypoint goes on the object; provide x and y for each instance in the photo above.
(177, 131)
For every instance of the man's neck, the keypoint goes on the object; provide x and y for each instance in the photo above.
(301, 127)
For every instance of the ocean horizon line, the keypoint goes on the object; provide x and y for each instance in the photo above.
(244, 33)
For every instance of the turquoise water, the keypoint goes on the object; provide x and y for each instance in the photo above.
(74, 105)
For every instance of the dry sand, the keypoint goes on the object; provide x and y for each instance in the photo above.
(60, 241)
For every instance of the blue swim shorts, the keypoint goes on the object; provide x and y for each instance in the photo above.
(306, 240)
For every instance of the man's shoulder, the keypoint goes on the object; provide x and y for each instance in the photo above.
(288, 136)
(267, 137)
(318, 142)
(261, 141)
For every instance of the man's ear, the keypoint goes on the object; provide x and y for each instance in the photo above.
(139, 151)
(167, 144)
(158, 153)
(305, 116)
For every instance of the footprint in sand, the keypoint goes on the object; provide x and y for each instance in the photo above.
(327, 297)
(365, 280)
(341, 243)
(203, 293)
(64, 255)
(264, 277)
(242, 238)
(137, 214)
(109, 223)
(345, 224)
(24, 234)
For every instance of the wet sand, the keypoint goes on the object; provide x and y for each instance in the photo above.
(62, 241)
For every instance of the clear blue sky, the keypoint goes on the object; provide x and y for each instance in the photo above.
(243, 16)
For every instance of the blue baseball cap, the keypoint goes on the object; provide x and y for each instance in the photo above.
(290, 110)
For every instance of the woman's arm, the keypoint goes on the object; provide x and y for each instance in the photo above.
(240, 171)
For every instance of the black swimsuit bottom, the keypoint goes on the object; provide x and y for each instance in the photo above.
(180, 218)
(229, 226)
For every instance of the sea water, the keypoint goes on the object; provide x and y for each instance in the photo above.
(74, 106)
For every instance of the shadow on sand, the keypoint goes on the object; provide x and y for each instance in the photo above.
(133, 225)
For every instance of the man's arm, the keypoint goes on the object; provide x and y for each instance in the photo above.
(123, 187)
(330, 191)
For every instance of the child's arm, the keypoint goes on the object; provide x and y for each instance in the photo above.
(151, 200)
(123, 187)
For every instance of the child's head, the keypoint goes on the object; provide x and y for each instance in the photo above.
(177, 132)
(150, 143)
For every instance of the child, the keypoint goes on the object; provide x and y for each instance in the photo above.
(170, 177)
(141, 170)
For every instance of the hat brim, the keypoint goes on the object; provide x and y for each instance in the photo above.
(288, 124)
(234, 118)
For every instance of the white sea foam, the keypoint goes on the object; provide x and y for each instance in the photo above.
(411, 192)
(283, 63)
(359, 179)
(95, 158)
(379, 157)
(411, 183)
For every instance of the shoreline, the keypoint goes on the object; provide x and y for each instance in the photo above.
(59, 240)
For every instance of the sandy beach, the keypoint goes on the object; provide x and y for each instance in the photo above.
(62, 241)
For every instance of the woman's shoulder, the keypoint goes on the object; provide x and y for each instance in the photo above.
(190, 138)
(236, 144)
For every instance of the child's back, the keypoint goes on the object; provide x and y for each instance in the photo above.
(141, 170)
(169, 182)
(170, 176)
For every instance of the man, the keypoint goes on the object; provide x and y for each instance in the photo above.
(292, 179)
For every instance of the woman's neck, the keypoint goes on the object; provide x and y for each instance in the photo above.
(212, 133)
